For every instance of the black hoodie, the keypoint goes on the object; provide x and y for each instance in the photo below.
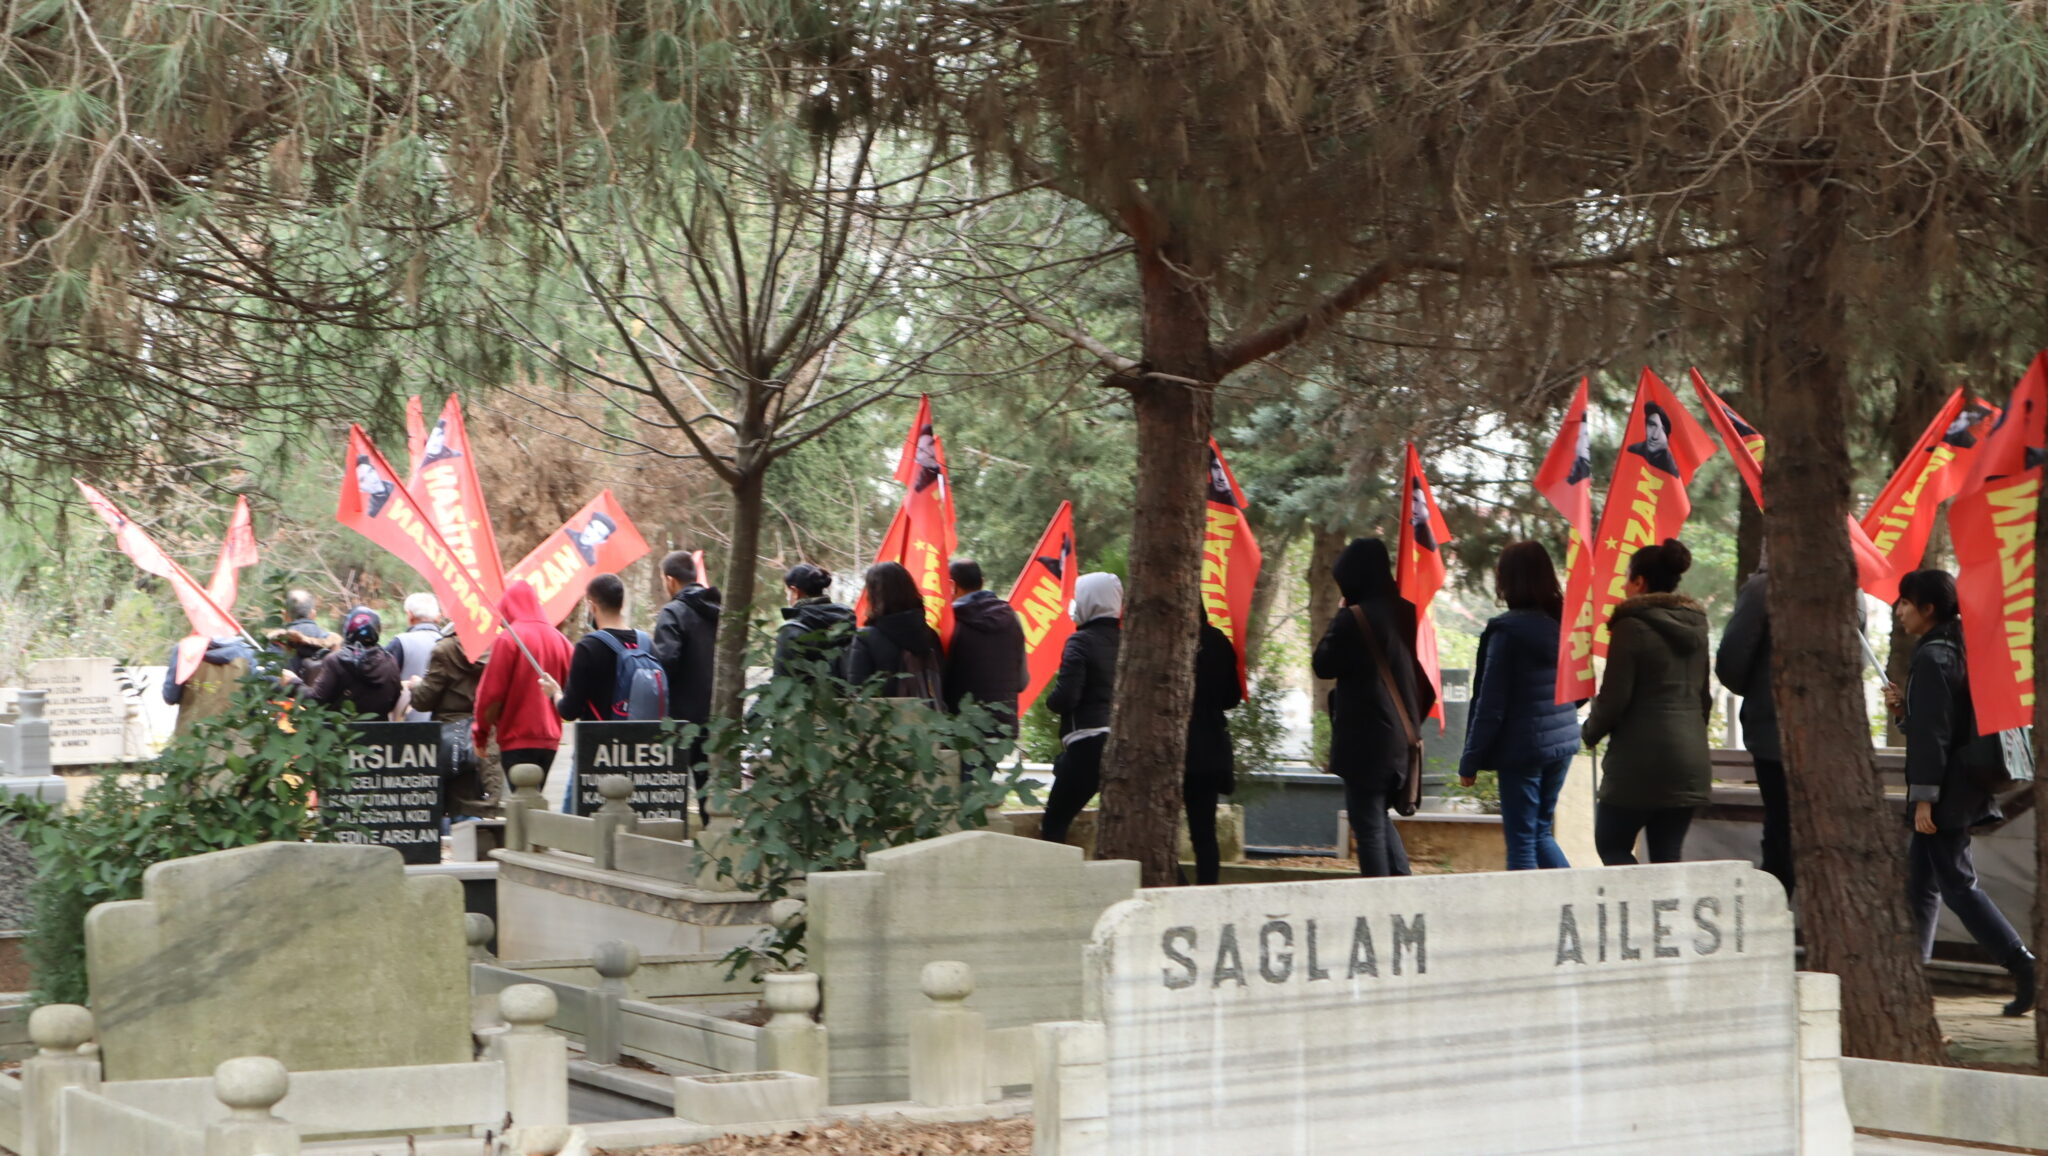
(986, 660)
(814, 627)
(685, 643)
(1368, 742)
(880, 647)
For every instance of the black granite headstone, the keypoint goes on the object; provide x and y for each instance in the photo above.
(395, 786)
(656, 763)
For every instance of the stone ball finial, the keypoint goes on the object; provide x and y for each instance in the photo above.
(477, 929)
(615, 788)
(946, 981)
(615, 959)
(527, 777)
(543, 1140)
(60, 1027)
(784, 913)
(528, 1005)
(251, 1084)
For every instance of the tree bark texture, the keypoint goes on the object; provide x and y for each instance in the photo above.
(1143, 765)
(1850, 843)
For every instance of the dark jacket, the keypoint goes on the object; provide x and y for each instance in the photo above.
(1743, 664)
(1210, 759)
(211, 688)
(1368, 742)
(362, 678)
(1515, 722)
(685, 643)
(1940, 721)
(881, 647)
(986, 661)
(1084, 690)
(1654, 702)
(224, 651)
(299, 658)
(447, 691)
(814, 628)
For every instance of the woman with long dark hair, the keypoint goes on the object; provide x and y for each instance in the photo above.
(1516, 727)
(894, 640)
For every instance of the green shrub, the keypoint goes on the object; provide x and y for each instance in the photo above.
(244, 776)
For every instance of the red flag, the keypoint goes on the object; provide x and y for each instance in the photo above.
(237, 549)
(1419, 568)
(207, 617)
(1566, 480)
(697, 560)
(1902, 518)
(1646, 502)
(1040, 597)
(1992, 522)
(1230, 560)
(376, 506)
(921, 537)
(597, 539)
(415, 437)
(445, 482)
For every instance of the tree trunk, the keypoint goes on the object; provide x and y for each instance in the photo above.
(1142, 768)
(729, 682)
(1851, 876)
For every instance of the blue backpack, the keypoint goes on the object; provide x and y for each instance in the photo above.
(640, 689)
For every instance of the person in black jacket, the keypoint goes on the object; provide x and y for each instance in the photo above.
(1368, 742)
(1211, 768)
(986, 662)
(1939, 723)
(1082, 695)
(685, 643)
(361, 675)
(896, 644)
(1743, 664)
(814, 627)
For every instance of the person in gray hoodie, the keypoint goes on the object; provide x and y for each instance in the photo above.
(1082, 695)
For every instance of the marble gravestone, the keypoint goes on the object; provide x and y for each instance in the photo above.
(1652, 1009)
(1017, 911)
(88, 713)
(320, 955)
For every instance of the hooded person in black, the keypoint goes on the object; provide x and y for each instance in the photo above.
(814, 627)
(986, 662)
(896, 644)
(362, 674)
(1210, 770)
(686, 637)
(1368, 740)
(1083, 695)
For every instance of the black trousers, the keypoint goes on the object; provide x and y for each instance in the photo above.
(1380, 852)
(1615, 830)
(1076, 777)
(1200, 799)
(1770, 783)
(1940, 869)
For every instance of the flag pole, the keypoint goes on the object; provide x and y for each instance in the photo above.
(1871, 655)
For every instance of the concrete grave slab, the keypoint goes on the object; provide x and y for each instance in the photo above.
(1017, 911)
(319, 955)
(1651, 1009)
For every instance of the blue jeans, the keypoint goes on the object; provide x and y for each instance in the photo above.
(1528, 804)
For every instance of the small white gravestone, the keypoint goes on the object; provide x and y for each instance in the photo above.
(87, 711)
(1593, 1011)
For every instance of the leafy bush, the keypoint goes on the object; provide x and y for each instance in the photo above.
(816, 775)
(244, 776)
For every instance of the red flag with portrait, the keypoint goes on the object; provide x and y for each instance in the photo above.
(1992, 523)
(920, 537)
(1902, 518)
(1040, 597)
(1662, 448)
(1566, 481)
(1230, 560)
(375, 505)
(1419, 569)
(208, 618)
(597, 539)
(445, 482)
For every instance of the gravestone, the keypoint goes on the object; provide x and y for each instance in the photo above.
(88, 713)
(1591, 1011)
(318, 954)
(395, 783)
(639, 750)
(1017, 911)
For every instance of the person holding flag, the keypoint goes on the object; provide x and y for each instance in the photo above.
(511, 699)
(986, 662)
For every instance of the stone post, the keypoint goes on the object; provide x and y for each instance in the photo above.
(615, 962)
(1824, 1127)
(31, 753)
(614, 815)
(526, 780)
(251, 1087)
(477, 931)
(1070, 1102)
(60, 1032)
(948, 1041)
(793, 1040)
(536, 1059)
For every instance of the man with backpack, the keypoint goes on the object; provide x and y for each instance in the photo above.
(613, 674)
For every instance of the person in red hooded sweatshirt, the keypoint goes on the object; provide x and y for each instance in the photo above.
(509, 697)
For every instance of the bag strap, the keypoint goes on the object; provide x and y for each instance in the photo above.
(1379, 658)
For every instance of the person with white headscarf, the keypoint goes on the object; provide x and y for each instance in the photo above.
(1082, 695)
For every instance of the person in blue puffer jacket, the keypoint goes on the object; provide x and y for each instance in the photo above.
(1515, 727)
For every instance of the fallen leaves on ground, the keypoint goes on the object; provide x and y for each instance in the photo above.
(864, 1138)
